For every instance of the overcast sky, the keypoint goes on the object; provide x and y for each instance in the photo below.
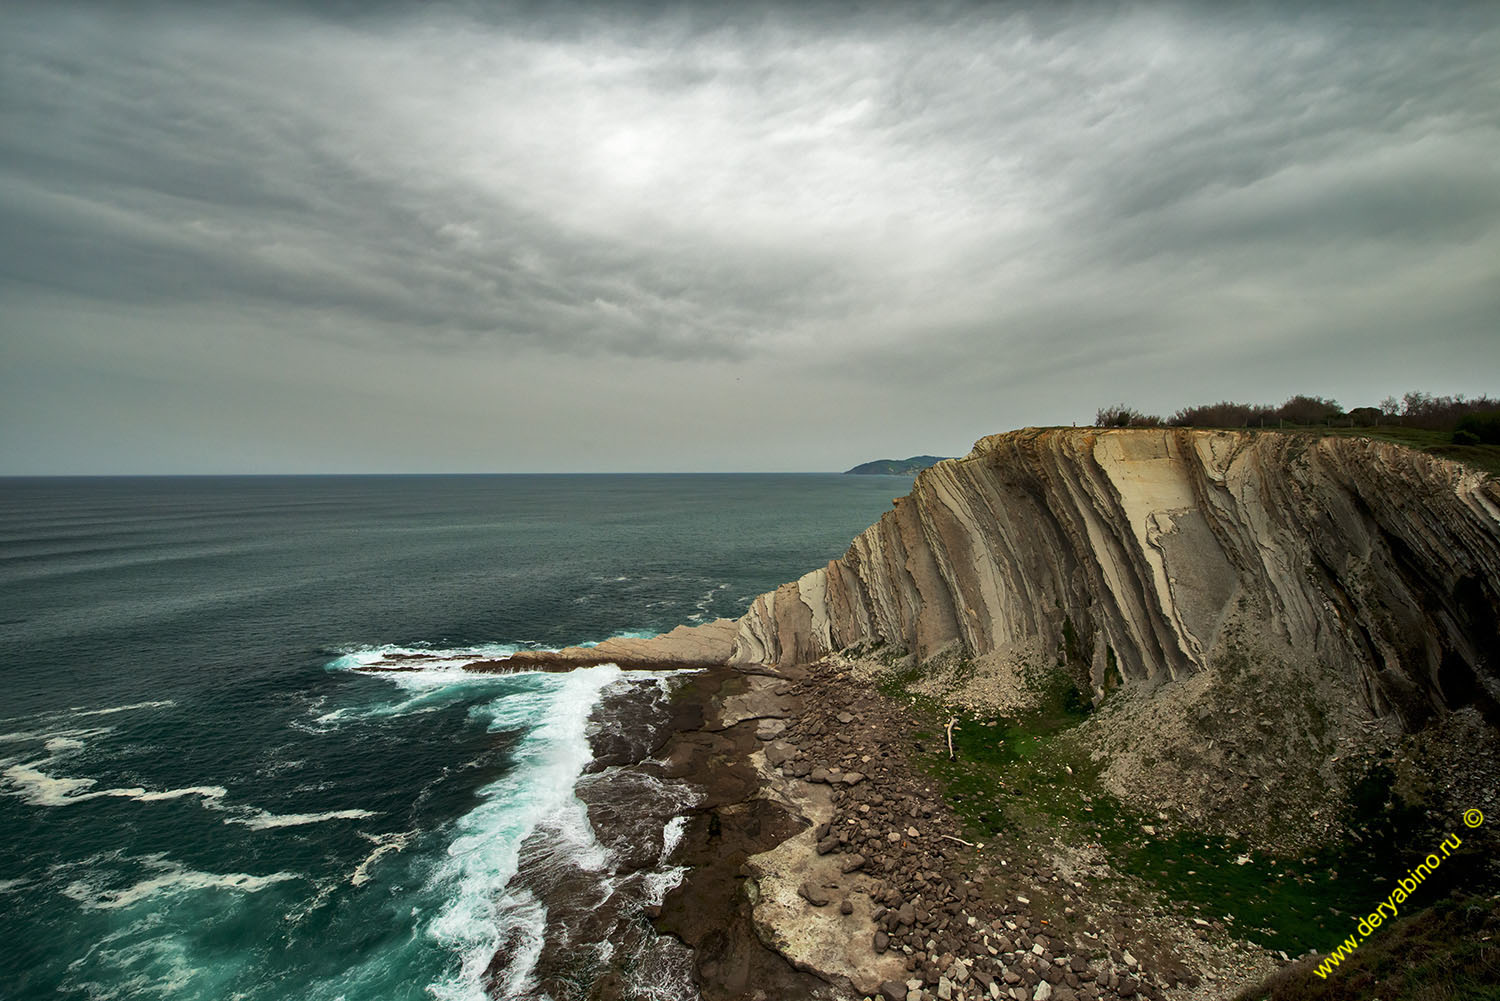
(265, 237)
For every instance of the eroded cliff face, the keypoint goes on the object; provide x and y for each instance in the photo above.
(1142, 556)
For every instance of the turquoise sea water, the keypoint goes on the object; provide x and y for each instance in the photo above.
(201, 799)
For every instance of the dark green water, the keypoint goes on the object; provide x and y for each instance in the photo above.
(199, 798)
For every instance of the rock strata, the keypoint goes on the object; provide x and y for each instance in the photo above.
(1235, 602)
(1135, 548)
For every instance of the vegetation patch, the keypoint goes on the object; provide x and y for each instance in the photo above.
(1483, 457)
(1027, 779)
(1447, 952)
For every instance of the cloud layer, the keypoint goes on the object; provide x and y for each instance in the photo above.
(755, 240)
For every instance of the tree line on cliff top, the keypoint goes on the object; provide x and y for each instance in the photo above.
(1471, 421)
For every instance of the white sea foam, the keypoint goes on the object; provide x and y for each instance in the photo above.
(671, 836)
(483, 857)
(38, 788)
(384, 844)
(420, 659)
(477, 911)
(661, 882)
(703, 603)
(173, 879)
(79, 712)
(132, 707)
(525, 920)
(263, 820)
(434, 677)
(31, 781)
(51, 733)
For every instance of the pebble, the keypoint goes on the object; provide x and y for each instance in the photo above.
(951, 928)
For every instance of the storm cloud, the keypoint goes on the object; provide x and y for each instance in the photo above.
(271, 237)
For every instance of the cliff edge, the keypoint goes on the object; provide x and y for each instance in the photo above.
(1147, 555)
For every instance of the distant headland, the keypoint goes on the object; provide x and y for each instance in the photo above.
(897, 467)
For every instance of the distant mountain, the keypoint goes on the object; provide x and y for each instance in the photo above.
(897, 467)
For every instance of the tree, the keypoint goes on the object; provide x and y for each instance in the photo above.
(1308, 410)
(1223, 415)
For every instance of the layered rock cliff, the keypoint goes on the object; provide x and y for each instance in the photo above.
(1142, 556)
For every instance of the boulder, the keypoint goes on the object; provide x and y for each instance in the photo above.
(814, 895)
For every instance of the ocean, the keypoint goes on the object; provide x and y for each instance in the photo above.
(202, 796)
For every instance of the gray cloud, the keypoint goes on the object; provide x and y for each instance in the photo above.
(1027, 210)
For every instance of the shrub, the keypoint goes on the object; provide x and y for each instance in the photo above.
(1223, 415)
(1308, 410)
(1444, 413)
(1116, 415)
(1465, 438)
(1483, 427)
(1417, 410)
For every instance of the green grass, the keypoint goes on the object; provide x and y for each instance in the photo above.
(1440, 443)
(1445, 952)
(1012, 782)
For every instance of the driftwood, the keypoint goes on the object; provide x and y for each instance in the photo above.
(951, 723)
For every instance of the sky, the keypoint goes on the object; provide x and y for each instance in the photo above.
(463, 237)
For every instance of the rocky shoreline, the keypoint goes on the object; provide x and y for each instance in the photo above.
(825, 863)
(1281, 646)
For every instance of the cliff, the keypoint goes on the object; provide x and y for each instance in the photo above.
(1140, 556)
